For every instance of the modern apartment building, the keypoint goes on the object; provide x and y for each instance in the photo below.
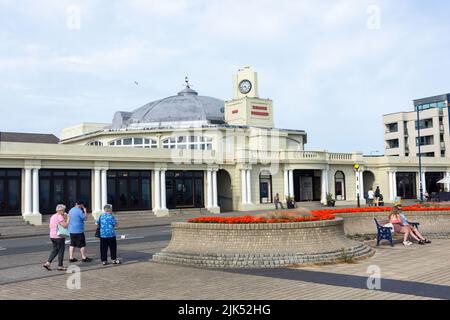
(401, 137)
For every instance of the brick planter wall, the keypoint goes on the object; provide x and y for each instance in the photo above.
(259, 245)
(433, 224)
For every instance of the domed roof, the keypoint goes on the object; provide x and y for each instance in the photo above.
(186, 106)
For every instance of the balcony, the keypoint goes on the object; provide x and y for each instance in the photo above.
(292, 155)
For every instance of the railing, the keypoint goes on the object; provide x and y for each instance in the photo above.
(293, 155)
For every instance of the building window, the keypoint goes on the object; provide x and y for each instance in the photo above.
(425, 141)
(427, 154)
(392, 144)
(425, 124)
(188, 142)
(184, 189)
(95, 143)
(10, 191)
(129, 190)
(339, 185)
(392, 127)
(135, 143)
(63, 186)
(265, 187)
(439, 104)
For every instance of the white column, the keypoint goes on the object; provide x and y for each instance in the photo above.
(163, 190)
(214, 182)
(394, 183)
(448, 184)
(391, 186)
(361, 184)
(35, 191)
(244, 186)
(286, 183)
(209, 188)
(424, 185)
(97, 191)
(291, 183)
(157, 177)
(104, 188)
(27, 196)
(324, 185)
(249, 187)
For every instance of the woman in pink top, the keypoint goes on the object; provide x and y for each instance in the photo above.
(59, 243)
(395, 219)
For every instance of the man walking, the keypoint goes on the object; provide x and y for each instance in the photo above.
(76, 220)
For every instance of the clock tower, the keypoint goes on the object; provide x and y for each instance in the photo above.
(246, 108)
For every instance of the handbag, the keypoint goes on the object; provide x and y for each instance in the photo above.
(97, 231)
(62, 232)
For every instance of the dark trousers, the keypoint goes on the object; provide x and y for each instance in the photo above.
(59, 245)
(106, 243)
(278, 203)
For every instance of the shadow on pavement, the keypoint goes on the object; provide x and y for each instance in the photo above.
(353, 281)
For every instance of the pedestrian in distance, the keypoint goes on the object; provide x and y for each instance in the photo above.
(77, 217)
(58, 232)
(377, 196)
(107, 224)
(278, 202)
(370, 197)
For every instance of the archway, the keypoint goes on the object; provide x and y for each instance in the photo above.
(369, 181)
(224, 191)
(339, 185)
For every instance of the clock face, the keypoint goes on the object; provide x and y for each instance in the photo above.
(245, 86)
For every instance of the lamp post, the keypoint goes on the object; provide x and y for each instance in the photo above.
(420, 155)
(358, 194)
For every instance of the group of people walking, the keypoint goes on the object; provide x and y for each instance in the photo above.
(71, 225)
(375, 198)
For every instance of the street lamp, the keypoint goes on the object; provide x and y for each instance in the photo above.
(420, 154)
(356, 168)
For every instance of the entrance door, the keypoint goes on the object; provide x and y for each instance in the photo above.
(306, 188)
(431, 179)
(184, 193)
(406, 185)
(184, 189)
(63, 187)
(129, 190)
(10, 192)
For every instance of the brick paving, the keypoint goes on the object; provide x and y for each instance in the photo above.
(417, 272)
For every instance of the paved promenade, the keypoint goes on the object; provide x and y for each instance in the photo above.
(417, 272)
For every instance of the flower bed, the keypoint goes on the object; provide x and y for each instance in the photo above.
(415, 208)
(252, 219)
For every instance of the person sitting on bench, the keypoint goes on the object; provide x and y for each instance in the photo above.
(414, 230)
(395, 219)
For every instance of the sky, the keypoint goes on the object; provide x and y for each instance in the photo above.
(332, 67)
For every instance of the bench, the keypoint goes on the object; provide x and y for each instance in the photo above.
(385, 233)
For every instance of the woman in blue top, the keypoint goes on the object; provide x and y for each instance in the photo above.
(108, 223)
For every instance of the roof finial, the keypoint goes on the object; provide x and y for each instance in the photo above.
(187, 82)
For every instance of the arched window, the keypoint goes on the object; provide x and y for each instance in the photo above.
(94, 143)
(265, 187)
(135, 142)
(339, 185)
(188, 142)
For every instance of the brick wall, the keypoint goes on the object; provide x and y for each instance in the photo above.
(258, 245)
